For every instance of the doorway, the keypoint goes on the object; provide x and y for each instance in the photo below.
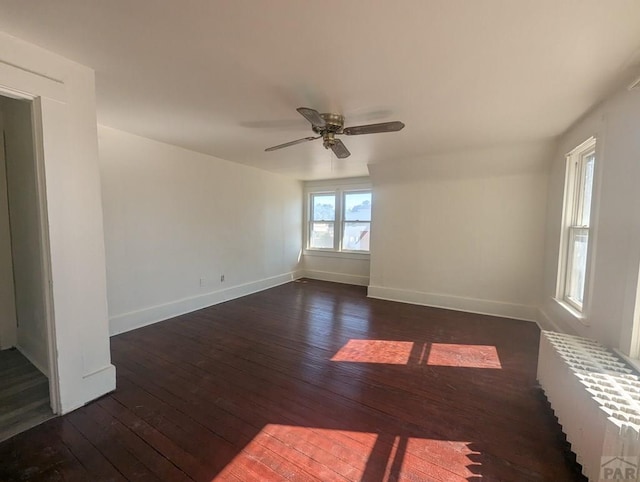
(25, 334)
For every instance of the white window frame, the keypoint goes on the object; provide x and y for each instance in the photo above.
(339, 188)
(343, 216)
(310, 221)
(571, 224)
(634, 346)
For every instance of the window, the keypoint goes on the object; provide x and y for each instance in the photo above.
(323, 221)
(577, 215)
(356, 221)
(339, 220)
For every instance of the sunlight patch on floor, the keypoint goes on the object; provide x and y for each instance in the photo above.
(309, 453)
(464, 356)
(375, 351)
(393, 352)
(302, 452)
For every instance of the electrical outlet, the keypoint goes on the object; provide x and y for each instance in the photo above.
(222, 278)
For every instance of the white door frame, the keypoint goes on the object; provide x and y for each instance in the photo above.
(45, 258)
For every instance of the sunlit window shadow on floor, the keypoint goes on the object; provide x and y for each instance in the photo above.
(409, 353)
(464, 356)
(351, 455)
(375, 351)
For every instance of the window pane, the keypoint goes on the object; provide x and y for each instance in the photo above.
(356, 236)
(321, 236)
(357, 206)
(324, 207)
(589, 162)
(577, 264)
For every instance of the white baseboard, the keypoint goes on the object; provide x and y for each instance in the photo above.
(147, 316)
(93, 386)
(349, 279)
(457, 303)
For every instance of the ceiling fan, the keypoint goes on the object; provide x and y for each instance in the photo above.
(328, 126)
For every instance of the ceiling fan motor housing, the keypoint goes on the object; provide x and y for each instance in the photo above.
(333, 123)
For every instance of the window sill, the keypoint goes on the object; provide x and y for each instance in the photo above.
(573, 312)
(336, 254)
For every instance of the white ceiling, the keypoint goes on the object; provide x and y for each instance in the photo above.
(224, 77)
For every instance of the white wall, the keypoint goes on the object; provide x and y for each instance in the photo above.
(64, 94)
(8, 328)
(615, 239)
(173, 217)
(25, 232)
(462, 231)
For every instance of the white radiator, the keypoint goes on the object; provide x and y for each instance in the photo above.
(596, 399)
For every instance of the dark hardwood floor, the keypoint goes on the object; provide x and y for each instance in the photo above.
(24, 394)
(308, 381)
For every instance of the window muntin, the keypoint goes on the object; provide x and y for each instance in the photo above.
(581, 164)
(340, 220)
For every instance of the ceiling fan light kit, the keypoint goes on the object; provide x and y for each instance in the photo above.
(329, 125)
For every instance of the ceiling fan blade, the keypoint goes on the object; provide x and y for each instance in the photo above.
(292, 143)
(312, 116)
(340, 150)
(374, 128)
